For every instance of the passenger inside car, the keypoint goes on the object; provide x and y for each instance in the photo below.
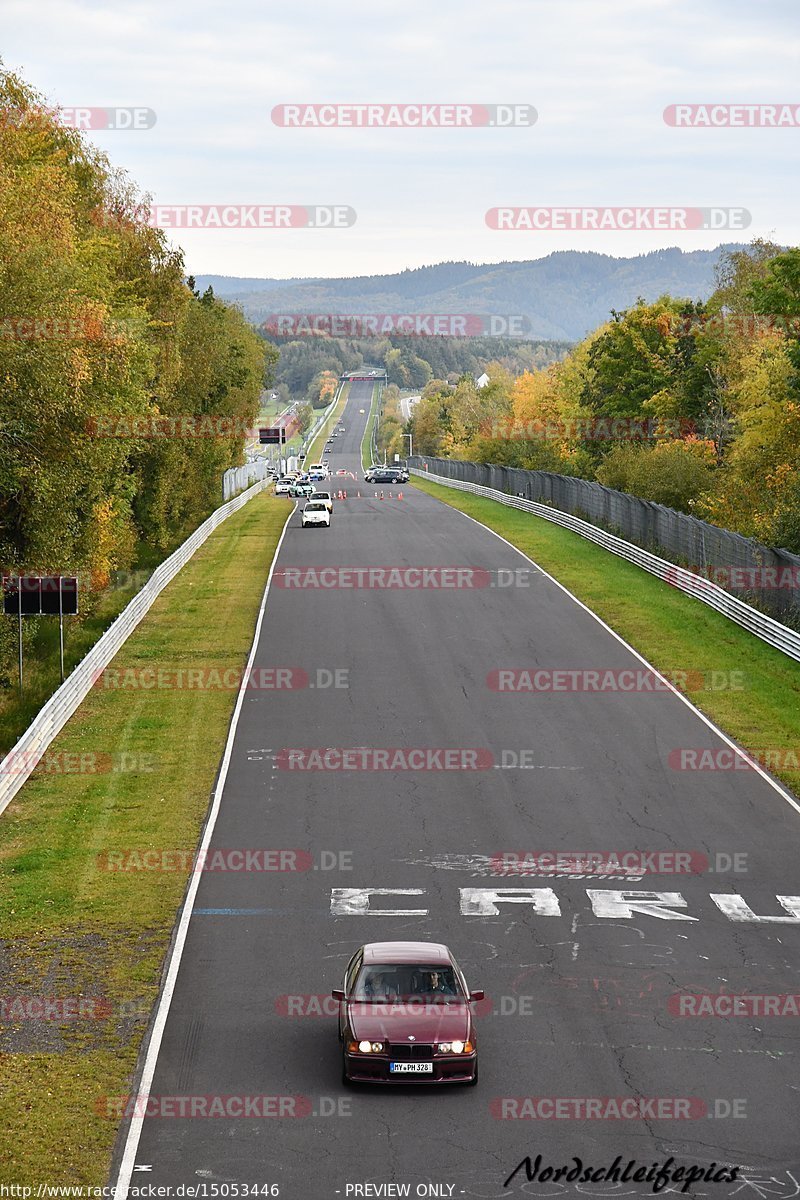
(376, 984)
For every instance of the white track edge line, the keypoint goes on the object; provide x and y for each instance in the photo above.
(773, 783)
(165, 998)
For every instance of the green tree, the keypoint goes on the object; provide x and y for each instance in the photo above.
(676, 474)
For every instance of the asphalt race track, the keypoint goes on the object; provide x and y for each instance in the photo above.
(578, 992)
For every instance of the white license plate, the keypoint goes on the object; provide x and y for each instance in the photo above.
(415, 1068)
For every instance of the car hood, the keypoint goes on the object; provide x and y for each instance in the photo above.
(394, 1022)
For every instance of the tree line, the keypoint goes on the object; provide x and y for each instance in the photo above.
(105, 351)
(410, 362)
(695, 405)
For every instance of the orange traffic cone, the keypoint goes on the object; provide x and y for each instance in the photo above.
(399, 495)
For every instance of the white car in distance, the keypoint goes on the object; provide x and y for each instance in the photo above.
(316, 512)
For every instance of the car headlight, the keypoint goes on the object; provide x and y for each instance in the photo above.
(456, 1047)
(366, 1047)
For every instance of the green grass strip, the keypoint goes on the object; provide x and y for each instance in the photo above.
(366, 441)
(317, 447)
(73, 928)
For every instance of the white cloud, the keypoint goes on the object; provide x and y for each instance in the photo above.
(600, 72)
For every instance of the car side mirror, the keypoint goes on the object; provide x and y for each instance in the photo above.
(338, 994)
(479, 995)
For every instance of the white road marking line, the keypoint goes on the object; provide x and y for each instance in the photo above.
(127, 1165)
(773, 783)
(355, 902)
(487, 864)
(534, 767)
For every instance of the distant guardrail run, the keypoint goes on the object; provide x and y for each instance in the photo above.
(236, 479)
(764, 627)
(20, 761)
(764, 577)
(311, 433)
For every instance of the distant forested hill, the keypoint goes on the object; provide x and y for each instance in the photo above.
(564, 296)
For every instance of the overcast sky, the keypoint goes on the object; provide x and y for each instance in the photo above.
(598, 73)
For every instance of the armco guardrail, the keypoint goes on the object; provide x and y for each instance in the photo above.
(236, 479)
(232, 479)
(18, 764)
(320, 421)
(767, 578)
(764, 627)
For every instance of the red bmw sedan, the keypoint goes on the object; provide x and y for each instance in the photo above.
(405, 1016)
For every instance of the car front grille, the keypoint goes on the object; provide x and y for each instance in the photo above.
(410, 1051)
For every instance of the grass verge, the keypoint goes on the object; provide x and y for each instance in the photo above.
(41, 673)
(315, 450)
(672, 631)
(73, 929)
(366, 441)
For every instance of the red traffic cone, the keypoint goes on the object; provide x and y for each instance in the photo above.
(399, 495)
(381, 495)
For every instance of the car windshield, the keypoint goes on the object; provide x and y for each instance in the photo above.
(407, 983)
(315, 508)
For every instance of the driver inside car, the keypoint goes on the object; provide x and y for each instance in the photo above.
(439, 986)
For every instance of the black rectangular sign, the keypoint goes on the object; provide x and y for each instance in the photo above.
(40, 595)
(274, 436)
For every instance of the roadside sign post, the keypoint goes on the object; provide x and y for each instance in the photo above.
(44, 596)
(274, 435)
(19, 631)
(61, 629)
